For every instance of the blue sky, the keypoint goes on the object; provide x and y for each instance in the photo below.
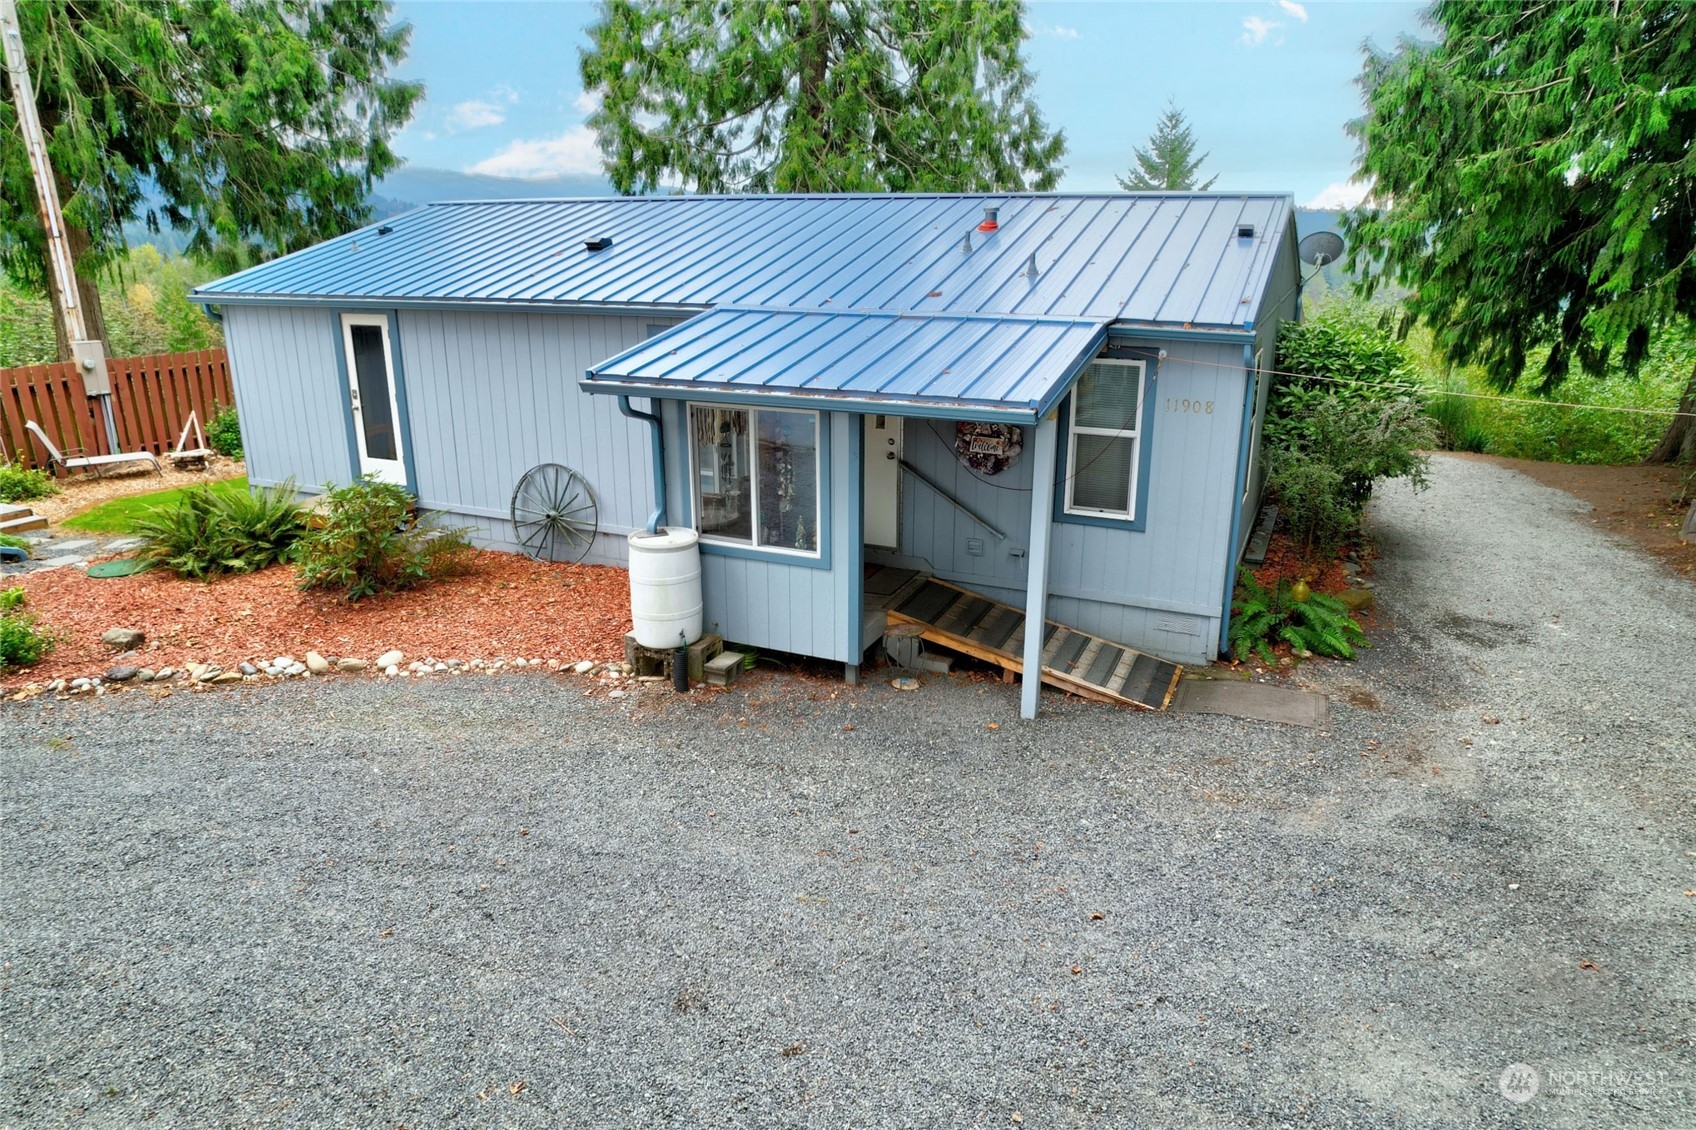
(1267, 86)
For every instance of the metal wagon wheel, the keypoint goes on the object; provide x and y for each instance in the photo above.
(554, 512)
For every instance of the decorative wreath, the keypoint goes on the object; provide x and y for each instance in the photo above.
(988, 448)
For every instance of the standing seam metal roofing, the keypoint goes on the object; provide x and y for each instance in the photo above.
(1012, 366)
(1156, 258)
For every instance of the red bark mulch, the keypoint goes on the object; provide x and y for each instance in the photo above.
(503, 606)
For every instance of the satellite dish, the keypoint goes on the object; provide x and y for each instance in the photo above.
(1321, 247)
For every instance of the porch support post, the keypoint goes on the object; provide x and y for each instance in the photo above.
(1036, 582)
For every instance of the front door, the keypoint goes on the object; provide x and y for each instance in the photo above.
(371, 390)
(883, 481)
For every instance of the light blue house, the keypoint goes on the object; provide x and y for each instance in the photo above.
(1052, 401)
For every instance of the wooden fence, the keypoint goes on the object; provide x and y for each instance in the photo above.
(151, 400)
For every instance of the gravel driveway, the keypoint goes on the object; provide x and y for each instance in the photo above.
(495, 902)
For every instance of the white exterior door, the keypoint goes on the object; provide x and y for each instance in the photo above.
(371, 390)
(883, 481)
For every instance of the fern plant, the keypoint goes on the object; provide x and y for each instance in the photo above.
(1319, 625)
(209, 533)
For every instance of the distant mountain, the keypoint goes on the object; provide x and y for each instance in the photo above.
(408, 187)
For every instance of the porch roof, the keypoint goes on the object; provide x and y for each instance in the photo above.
(950, 366)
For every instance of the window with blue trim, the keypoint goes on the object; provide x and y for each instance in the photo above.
(756, 477)
(1104, 434)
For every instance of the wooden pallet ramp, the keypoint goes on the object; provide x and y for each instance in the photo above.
(1072, 660)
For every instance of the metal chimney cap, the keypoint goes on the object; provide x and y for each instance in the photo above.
(990, 221)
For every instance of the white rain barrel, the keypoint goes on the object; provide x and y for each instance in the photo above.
(665, 587)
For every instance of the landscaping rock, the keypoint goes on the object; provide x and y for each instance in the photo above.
(145, 675)
(80, 684)
(617, 694)
(390, 658)
(584, 667)
(391, 669)
(227, 677)
(165, 673)
(283, 661)
(248, 669)
(317, 664)
(124, 639)
(122, 673)
(1357, 600)
(273, 671)
(519, 663)
(207, 674)
(57, 685)
(351, 665)
(295, 670)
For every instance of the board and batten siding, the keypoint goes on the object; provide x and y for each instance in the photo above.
(294, 419)
(493, 395)
(769, 603)
(488, 396)
(1158, 589)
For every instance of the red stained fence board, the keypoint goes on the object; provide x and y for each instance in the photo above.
(151, 400)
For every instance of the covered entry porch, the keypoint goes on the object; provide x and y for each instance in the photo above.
(758, 421)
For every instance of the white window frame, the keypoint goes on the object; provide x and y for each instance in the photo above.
(1133, 433)
(753, 542)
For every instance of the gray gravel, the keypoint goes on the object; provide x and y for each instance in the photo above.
(496, 902)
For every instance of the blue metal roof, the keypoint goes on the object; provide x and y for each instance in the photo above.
(1011, 367)
(1171, 259)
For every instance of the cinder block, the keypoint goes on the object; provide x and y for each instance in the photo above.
(724, 668)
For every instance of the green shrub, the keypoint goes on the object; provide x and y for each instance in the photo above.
(365, 546)
(223, 433)
(13, 541)
(208, 533)
(1319, 625)
(22, 640)
(24, 484)
(1345, 350)
(1322, 463)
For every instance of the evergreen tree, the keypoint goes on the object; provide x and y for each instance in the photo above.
(1534, 180)
(817, 96)
(260, 123)
(1169, 164)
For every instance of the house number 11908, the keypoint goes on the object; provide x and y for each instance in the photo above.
(1201, 407)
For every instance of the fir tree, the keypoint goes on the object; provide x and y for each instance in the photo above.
(1169, 164)
(817, 96)
(1534, 175)
(260, 123)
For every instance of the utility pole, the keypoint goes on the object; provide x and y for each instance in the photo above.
(89, 354)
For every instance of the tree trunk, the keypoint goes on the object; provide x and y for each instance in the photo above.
(1678, 445)
(810, 105)
(88, 295)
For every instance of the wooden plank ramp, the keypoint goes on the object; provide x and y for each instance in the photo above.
(1072, 660)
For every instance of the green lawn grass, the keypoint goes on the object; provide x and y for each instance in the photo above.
(120, 515)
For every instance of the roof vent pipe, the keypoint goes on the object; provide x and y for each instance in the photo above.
(1030, 266)
(990, 223)
(966, 244)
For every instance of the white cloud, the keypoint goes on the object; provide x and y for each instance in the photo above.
(573, 151)
(1292, 9)
(475, 114)
(1342, 194)
(1255, 31)
(587, 102)
(1056, 31)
